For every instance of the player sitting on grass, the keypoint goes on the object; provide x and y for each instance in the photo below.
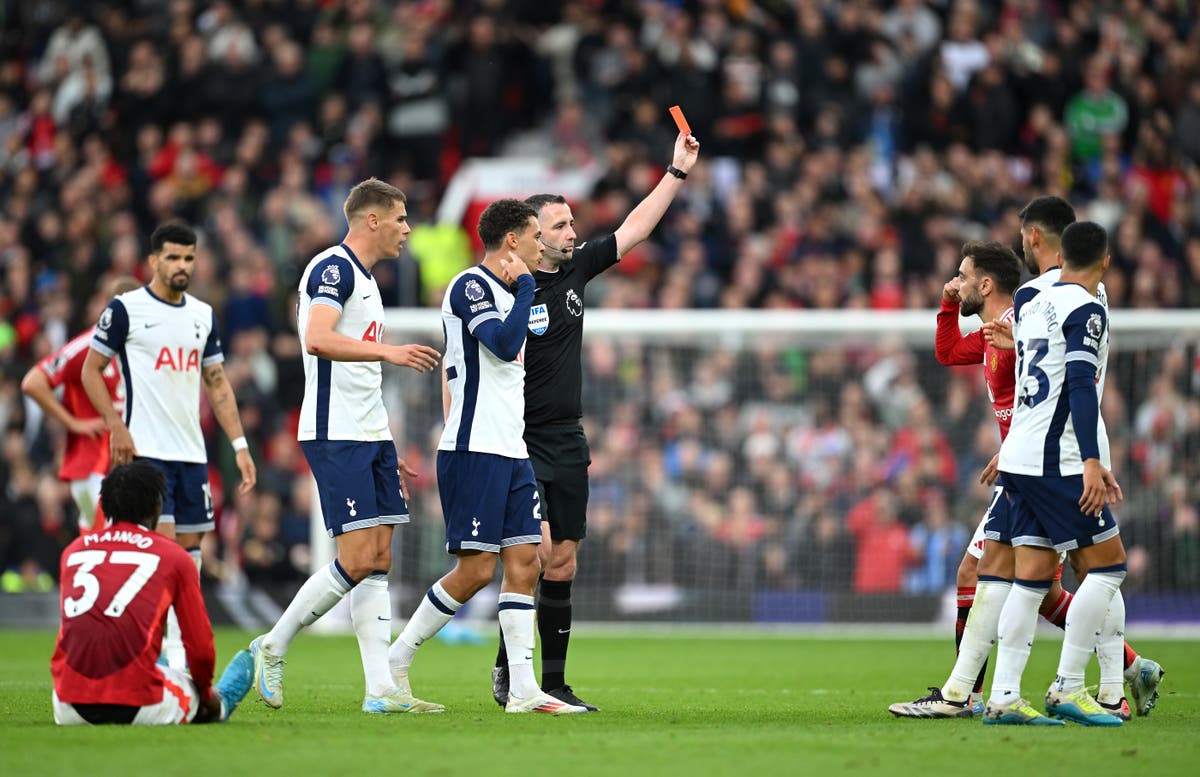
(117, 586)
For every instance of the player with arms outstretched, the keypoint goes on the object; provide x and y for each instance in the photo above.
(116, 586)
(489, 497)
(86, 458)
(348, 444)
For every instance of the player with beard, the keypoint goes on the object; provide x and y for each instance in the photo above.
(554, 407)
(168, 346)
(1042, 223)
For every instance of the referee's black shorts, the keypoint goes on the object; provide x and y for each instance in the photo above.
(560, 459)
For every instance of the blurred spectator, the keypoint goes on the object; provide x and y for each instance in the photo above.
(1095, 112)
(849, 149)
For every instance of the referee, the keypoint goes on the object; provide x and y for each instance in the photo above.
(554, 409)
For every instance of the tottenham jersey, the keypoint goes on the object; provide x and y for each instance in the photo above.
(342, 400)
(1045, 281)
(1062, 324)
(487, 394)
(162, 348)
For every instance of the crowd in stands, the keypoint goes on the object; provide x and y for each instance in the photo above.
(848, 150)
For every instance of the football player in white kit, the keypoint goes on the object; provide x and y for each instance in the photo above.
(485, 478)
(1055, 466)
(346, 439)
(169, 347)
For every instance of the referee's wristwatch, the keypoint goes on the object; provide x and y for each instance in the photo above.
(675, 171)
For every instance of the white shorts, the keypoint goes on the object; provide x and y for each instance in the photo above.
(179, 704)
(975, 548)
(86, 494)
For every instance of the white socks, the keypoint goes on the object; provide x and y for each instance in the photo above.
(1110, 652)
(172, 644)
(978, 638)
(316, 597)
(371, 613)
(434, 612)
(1018, 620)
(517, 621)
(1084, 629)
(197, 557)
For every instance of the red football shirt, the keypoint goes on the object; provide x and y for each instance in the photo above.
(999, 367)
(116, 587)
(84, 455)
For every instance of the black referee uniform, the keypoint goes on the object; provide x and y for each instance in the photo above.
(553, 387)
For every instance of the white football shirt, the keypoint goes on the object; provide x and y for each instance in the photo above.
(162, 348)
(1047, 280)
(487, 394)
(342, 400)
(1062, 324)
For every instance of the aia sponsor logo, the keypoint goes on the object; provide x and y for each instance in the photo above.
(178, 359)
(374, 333)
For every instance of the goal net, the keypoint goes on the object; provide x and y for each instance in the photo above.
(779, 466)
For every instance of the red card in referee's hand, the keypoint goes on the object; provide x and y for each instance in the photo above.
(680, 122)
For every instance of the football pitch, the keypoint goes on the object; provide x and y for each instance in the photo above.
(695, 703)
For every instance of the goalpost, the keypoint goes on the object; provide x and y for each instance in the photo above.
(813, 466)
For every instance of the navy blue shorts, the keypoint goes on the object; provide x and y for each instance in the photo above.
(188, 503)
(998, 518)
(489, 502)
(1046, 513)
(358, 482)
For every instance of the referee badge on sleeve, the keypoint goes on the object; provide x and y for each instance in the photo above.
(539, 319)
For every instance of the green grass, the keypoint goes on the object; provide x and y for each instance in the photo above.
(671, 705)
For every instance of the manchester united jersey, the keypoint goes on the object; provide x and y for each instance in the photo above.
(84, 455)
(116, 587)
(999, 367)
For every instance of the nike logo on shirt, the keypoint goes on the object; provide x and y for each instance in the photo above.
(150, 325)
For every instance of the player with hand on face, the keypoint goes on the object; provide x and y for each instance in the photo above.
(554, 406)
(987, 277)
(485, 480)
(117, 585)
(348, 444)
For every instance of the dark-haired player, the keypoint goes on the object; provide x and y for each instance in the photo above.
(486, 483)
(553, 404)
(168, 346)
(117, 584)
(1055, 466)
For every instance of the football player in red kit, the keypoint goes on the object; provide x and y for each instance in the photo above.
(117, 584)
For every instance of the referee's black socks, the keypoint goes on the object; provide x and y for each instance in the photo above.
(554, 628)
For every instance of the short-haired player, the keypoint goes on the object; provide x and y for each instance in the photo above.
(1055, 466)
(168, 348)
(347, 441)
(117, 584)
(489, 497)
